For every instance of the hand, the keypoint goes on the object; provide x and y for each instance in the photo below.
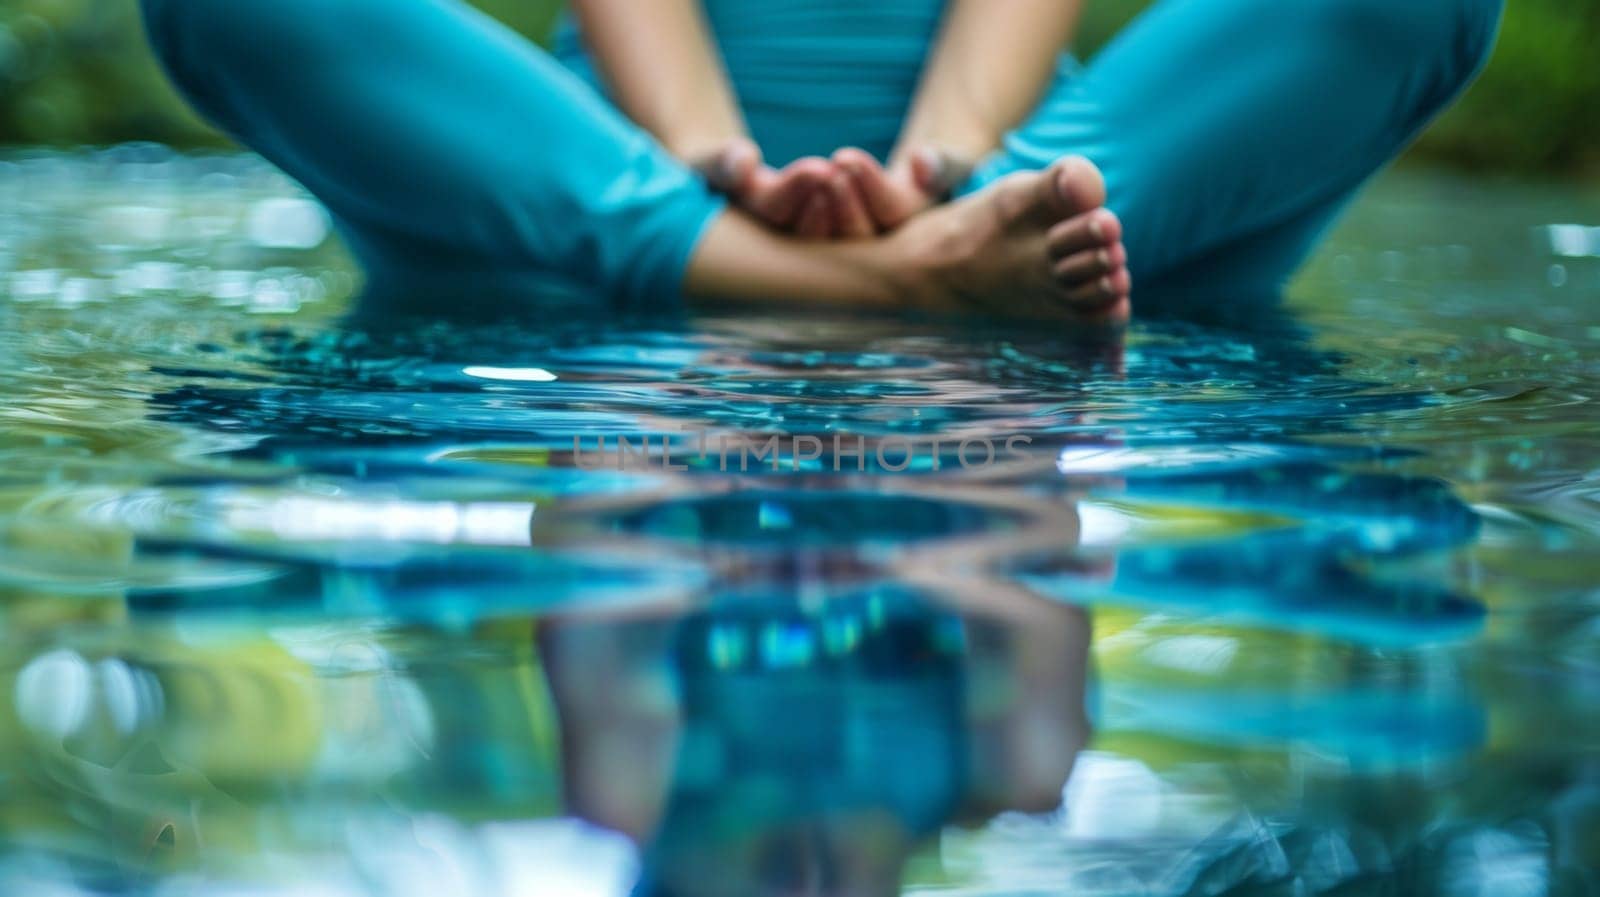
(793, 199)
(851, 196)
(868, 198)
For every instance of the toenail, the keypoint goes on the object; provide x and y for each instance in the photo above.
(1105, 284)
(1104, 258)
(1096, 228)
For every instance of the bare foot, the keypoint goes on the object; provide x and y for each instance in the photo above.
(1033, 245)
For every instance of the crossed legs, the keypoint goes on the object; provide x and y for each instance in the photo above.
(448, 148)
(1231, 132)
(439, 140)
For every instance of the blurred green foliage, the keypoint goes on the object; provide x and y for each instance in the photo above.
(1535, 109)
(77, 71)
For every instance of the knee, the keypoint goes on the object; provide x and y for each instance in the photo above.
(1478, 25)
(1455, 35)
(185, 32)
(190, 36)
(158, 16)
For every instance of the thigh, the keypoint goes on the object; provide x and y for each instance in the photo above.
(439, 138)
(1222, 123)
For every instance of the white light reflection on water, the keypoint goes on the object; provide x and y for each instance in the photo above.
(509, 375)
(1573, 240)
(346, 519)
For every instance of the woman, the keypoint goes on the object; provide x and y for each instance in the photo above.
(1226, 134)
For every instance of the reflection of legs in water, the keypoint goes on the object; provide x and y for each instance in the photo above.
(898, 717)
(451, 151)
(1232, 132)
(620, 723)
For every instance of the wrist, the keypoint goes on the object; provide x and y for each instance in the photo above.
(964, 144)
(694, 149)
(725, 162)
(936, 170)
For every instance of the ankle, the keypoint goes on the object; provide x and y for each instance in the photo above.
(929, 255)
(906, 270)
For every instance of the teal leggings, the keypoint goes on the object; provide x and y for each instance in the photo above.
(451, 151)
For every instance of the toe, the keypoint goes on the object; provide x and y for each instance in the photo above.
(1113, 314)
(1093, 230)
(1068, 188)
(1089, 264)
(1043, 198)
(1077, 185)
(1121, 282)
(1099, 292)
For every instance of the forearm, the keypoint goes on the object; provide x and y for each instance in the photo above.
(992, 63)
(663, 69)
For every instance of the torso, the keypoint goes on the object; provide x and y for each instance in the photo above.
(814, 75)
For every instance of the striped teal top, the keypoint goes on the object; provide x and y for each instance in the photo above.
(813, 75)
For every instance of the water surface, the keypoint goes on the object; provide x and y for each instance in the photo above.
(295, 600)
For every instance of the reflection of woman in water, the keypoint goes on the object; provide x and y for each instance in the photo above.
(811, 751)
(1210, 141)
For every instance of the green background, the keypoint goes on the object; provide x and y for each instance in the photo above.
(77, 71)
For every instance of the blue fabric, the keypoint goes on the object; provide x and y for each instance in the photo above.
(809, 72)
(450, 150)
(1230, 132)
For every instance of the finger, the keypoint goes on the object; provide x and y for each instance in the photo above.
(780, 196)
(885, 203)
(816, 219)
(938, 173)
(926, 169)
(1081, 267)
(727, 167)
(1091, 230)
(762, 196)
(738, 163)
(850, 217)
